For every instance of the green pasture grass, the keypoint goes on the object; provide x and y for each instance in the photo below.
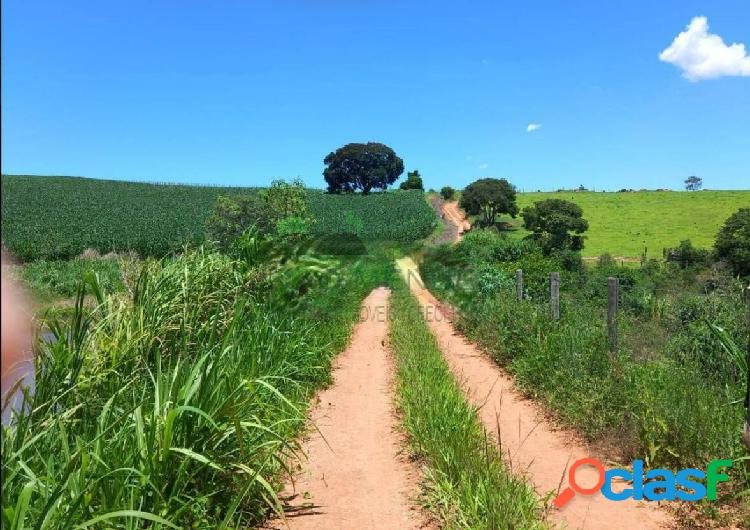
(624, 224)
(467, 484)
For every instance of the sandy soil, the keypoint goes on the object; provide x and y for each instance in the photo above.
(355, 476)
(530, 443)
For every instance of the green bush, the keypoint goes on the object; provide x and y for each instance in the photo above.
(733, 242)
(231, 216)
(447, 193)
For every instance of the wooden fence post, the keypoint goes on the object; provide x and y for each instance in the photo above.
(554, 294)
(613, 302)
(519, 284)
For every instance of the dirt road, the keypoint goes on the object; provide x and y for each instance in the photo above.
(530, 443)
(453, 214)
(355, 475)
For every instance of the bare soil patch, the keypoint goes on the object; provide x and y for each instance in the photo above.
(355, 475)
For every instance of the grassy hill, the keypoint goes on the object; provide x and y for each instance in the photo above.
(622, 224)
(58, 217)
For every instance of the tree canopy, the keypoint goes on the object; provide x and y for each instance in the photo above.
(413, 181)
(733, 242)
(693, 183)
(490, 198)
(447, 193)
(556, 224)
(281, 209)
(362, 167)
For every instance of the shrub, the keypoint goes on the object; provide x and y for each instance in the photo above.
(686, 255)
(231, 216)
(447, 193)
(413, 181)
(733, 242)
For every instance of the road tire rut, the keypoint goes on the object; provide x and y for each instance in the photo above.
(355, 475)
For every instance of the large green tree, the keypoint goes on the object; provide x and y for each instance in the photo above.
(733, 242)
(556, 224)
(362, 167)
(490, 198)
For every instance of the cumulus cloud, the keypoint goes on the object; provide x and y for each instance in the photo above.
(703, 55)
(483, 166)
(531, 127)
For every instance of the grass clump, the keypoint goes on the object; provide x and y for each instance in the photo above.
(61, 278)
(180, 406)
(468, 485)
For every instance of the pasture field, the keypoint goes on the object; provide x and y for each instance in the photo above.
(59, 217)
(622, 224)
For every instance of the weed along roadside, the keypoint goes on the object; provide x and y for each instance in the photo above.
(466, 483)
(647, 365)
(531, 446)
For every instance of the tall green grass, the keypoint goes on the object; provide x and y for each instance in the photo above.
(179, 408)
(672, 392)
(467, 484)
(61, 277)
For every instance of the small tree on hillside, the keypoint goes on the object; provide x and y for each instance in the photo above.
(362, 167)
(282, 209)
(556, 224)
(693, 183)
(733, 242)
(447, 193)
(489, 197)
(232, 215)
(413, 181)
(288, 207)
(286, 199)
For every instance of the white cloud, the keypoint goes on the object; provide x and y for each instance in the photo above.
(469, 157)
(483, 166)
(703, 55)
(531, 127)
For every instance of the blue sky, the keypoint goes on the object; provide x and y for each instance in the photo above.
(241, 92)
